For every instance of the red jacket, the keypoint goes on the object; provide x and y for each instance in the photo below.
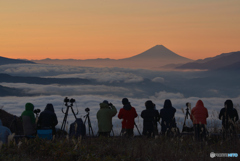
(199, 113)
(128, 117)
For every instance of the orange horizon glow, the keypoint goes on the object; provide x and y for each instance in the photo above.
(91, 29)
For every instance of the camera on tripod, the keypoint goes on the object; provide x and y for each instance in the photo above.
(87, 109)
(67, 100)
(185, 127)
(37, 111)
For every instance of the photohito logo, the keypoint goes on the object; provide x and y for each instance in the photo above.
(213, 155)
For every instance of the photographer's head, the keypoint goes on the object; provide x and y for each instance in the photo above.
(149, 104)
(125, 101)
(228, 104)
(49, 107)
(29, 106)
(105, 101)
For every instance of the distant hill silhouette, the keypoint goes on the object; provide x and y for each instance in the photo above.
(223, 61)
(36, 80)
(153, 58)
(4, 61)
(6, 91)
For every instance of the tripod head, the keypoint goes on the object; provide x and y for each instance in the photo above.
(69, 102)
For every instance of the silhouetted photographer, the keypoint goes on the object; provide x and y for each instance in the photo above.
(229, 117)
(104, 116)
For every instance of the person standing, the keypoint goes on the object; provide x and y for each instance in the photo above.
(4, 133)
(48, 119)
(104, 117)
(167, 116)
(127, 114)
(28, 118)
(150, 118)
(199, 115)
(229, 117)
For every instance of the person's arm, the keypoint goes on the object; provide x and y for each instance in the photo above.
(113, 110)
(221, 115)
(192, 114)
(55, 120)
(143, 114)
(33, 119)
(206, 113)
(236, 118)
(120, 115)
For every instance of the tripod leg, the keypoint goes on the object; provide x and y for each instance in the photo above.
(137, 129)
(73, 112)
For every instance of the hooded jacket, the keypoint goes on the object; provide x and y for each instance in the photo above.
(28, 118)
(128, 114)
(104, 116)
(4, 133)
(199, 113)
(167, 115)
(77, 128)
(228, 114)
(150, 118)
(48, 118)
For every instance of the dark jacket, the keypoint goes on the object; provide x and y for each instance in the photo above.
(150, 118)
(167, 116)
(228, 114)
(77, 128)
(28, 118)
(48, 118)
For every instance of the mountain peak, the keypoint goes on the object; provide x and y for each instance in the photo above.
(159, 52)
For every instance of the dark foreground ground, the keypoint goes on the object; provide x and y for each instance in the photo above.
(119, 149)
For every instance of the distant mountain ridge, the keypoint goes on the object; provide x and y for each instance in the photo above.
(152, 58)
(37, 80)
(4, 61)
(223, 61)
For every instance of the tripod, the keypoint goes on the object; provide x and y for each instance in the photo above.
(89, 123)
(185, 128)
(68, 104)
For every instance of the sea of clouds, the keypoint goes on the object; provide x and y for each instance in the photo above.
(90, 95)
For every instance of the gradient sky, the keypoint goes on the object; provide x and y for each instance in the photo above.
(86, 29)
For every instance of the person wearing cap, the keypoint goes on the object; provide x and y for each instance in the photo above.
(28, 119)
(150, 118)
(127, 114)
(104, 116)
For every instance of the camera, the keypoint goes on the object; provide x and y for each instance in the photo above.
(87, 109)
(71, 101)
(36, 111)
(66, 100)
